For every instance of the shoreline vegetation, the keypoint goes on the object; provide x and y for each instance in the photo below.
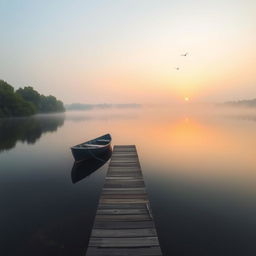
(26, 102)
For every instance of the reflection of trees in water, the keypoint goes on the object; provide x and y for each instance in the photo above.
(27, 129)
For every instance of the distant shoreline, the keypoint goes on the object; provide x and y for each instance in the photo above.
(85, 107)
(241, 103)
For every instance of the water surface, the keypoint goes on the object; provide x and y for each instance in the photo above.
(199, 168)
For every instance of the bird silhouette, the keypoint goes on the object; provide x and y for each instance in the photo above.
(184, 55)
(177, 68)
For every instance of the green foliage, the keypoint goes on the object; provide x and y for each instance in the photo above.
(50, 104)
(12, 104)
(30, 95)
(25, 101)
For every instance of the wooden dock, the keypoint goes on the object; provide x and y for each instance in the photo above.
(124, 224)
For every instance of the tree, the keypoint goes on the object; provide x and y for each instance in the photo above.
(12, 104)
(50, 104)
(26, 101)
(29, 94)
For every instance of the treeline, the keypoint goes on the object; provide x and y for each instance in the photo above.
(242, 103)
(26, 101)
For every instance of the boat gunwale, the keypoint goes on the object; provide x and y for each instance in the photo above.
(93, 146)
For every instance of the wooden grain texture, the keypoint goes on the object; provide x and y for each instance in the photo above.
(151, 251)
(135, 232)
(123, 217)
(121, 211)
(122, 206)
(124, 242)
(123, 224)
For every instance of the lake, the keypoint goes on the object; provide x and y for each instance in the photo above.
(199, 168)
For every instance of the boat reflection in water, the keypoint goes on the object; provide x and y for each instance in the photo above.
(82, 169)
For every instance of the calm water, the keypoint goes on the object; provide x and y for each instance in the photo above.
(199, 168)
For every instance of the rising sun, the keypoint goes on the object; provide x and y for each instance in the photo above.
(186, 98)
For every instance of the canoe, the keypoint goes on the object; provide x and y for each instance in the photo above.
(91, 148)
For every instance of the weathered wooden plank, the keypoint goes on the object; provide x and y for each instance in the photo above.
(123, 164)
(121, 211)
(126, 206)
(124, 242)
(125, 178)
(123, 206)
(119, 181)
(120, 174)
(123, 217)
(125, 172)
(124, 160)
(124, 192)
(131, 168)
(122, 171)
(126, 189)
(120, 152)
(123, 224)
(124, 146)
(124, 196)
(123, 201)
(124, 175)
(131, 185)
(127, 150)
(150, 251)
(118, 149)
(124, 232)
(125, 182)
(125, 155)
(125, 168)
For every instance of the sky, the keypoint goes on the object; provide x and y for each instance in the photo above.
(117, 51)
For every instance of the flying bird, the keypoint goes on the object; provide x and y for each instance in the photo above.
(184, 55)
(177, 68)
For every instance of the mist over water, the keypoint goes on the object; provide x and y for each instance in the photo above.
(198, 162)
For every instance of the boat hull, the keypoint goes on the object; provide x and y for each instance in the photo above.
(81, 154)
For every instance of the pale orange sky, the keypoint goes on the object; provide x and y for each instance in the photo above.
(127, 51)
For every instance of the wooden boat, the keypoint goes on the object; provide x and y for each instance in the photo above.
(91, 148)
